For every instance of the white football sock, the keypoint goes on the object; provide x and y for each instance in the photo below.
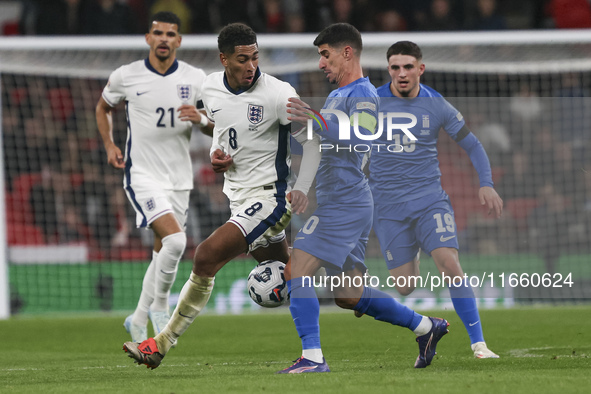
(193, 298)
(424, 326)
(313, 355)
(140, 316)
(167, 265)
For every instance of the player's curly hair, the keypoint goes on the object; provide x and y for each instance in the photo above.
(166, 17)
(408, 48)
(340, 34)
(233, 35)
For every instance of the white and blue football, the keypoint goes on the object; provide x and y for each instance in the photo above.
(266, 284)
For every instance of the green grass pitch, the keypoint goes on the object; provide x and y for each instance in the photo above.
(543, 350)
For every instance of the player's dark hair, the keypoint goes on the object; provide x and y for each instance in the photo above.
(233, 35)
(340, 34)
(405, 48)
(166, 17)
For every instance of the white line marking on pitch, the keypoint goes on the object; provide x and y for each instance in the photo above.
(560, 350)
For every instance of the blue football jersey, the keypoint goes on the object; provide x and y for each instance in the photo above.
(340, 178)
(411, 170)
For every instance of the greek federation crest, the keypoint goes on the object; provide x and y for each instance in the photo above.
(150, 204)
(184, 92)
(255, 113)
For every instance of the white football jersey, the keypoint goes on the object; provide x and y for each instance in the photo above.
(157, 147)
(252, 127)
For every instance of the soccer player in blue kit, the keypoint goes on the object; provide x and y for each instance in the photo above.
(336, 234)
(412, 211)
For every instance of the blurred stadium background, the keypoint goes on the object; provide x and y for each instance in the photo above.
(69, 242)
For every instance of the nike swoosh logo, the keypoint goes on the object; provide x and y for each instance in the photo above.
(243, 217)
(473, 324)
(443, 239)
(213, 111)
(188, 317)
(140, 93)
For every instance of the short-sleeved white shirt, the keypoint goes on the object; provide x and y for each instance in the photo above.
(253, 128)
(157, 146)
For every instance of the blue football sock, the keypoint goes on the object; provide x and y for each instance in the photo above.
(382, 306)
(462, 296)
(305, 311)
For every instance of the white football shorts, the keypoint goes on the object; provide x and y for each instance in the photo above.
(262, 220)
(150, 203)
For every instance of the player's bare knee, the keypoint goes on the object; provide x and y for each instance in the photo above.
(203, 255)
(450, 266)
(346, 303)
(405, 290)
(447, 261)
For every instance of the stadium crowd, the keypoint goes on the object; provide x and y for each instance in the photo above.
(43, 17)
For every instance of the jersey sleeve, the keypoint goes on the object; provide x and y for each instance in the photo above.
(207, 110)
(204, 98)
(452, 119)
(200, 78)
(366, 111)
(285, 93)
(114, 92)
(479, 159)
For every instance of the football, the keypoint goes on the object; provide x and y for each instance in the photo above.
(266, 284)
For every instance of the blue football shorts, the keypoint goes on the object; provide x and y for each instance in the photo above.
(338, 235)
(403, 229)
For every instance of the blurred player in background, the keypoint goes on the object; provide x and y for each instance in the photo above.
(161, 96)
(336, 235)
(251, 147)
(412, 212)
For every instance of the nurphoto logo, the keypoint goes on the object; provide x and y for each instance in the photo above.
(391, 120)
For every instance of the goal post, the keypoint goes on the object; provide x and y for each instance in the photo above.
(68, 240)
(474, 52)
(4, 282)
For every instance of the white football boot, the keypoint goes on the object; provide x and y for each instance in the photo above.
(138, 333)
(482, 351)
(159, 321)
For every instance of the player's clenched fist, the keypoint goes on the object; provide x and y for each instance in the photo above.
(220, 161)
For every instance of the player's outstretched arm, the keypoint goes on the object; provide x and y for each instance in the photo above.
(190, 113)
(299, 112)
(489, 197)
(310, 160)
(487, 194)
(104, 122)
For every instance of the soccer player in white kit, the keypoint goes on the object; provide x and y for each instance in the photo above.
(161, 95)
(251, 147)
